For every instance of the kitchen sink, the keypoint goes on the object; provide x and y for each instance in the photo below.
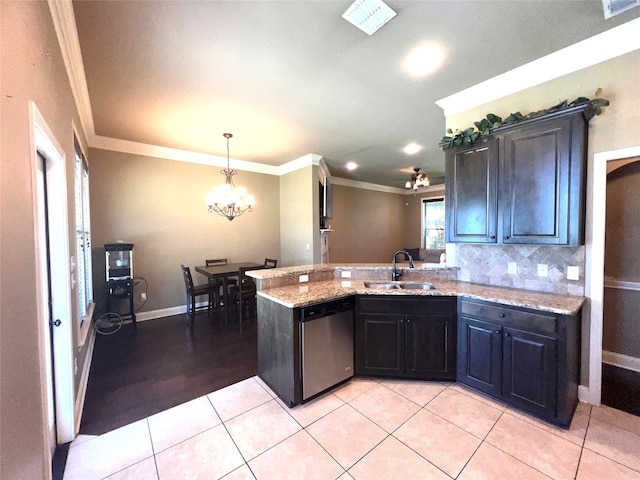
(417, 286)
(381, 285)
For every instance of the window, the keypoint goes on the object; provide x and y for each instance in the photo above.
(83, 233)
(433, 223)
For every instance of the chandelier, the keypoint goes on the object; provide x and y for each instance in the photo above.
(227, 200)
(418, 180)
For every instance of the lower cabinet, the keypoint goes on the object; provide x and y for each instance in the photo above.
(406, 337)
(524, 357)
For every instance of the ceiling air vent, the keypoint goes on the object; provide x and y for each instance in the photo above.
(614, 7)
(368, 15)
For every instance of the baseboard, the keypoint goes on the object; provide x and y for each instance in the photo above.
(621, 361)
(165, 312)
(84, 380)
(587, 396)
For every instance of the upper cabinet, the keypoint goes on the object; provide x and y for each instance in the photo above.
(522, 184)
(471, 190)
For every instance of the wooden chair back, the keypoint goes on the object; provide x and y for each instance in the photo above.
(270, 262)
(246, 299)
(188, 279)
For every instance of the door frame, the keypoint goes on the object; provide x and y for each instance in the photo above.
(594, 269)
(43, 140)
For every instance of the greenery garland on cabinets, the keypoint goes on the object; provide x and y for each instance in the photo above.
(491, 121)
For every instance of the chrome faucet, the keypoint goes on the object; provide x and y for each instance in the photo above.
(395, 274)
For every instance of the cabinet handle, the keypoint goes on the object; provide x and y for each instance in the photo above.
(492, 237)
(507, 334)
(498, 332)
(501, 315)
(506, 237)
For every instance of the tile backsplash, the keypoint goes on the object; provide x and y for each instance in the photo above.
(488, 264)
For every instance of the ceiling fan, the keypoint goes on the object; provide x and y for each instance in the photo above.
(418, 180)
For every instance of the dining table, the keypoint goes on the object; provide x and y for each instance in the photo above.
(224, 272)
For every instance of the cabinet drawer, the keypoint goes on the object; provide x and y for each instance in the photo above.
(429, 305)
(511, 317)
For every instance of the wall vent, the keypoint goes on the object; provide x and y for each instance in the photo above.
(368, 15)
(614, 7)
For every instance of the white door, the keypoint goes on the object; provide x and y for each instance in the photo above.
(45, 298)
(53, 277)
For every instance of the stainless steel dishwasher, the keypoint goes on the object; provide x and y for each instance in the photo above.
(327, 345)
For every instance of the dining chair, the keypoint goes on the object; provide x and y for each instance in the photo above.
(270, 262)
(244, 295)
(194, 291)
(231, 281)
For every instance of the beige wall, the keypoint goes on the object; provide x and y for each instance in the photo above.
(615, 128)
(159, 206)
(299, 217)
(31, 68)
(369, 226)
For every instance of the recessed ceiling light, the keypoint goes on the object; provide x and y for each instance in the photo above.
(351, 166)
(424, 59)
(368, 15)
(412, 148)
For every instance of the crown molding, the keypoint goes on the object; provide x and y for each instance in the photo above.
(144, 149)
(597, 49)
(64, 21)
(298, 163)
(345, 182)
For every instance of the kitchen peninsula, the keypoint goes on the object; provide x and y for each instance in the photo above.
(519, 346)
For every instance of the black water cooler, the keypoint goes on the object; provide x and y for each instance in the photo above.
(119, 269)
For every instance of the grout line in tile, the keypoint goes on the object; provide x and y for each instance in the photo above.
(345, 470)
(608, 458)
(522, 461)
(424, 458)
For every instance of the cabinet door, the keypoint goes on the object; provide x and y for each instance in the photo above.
(535, 184)
(480, 355)
(472, 193)
(379, 344)
(430, 347)
(529, 375)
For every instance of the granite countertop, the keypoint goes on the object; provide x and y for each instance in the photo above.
(303, 294)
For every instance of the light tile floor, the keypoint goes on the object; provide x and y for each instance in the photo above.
(365, 429)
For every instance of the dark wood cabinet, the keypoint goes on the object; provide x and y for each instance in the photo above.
(430, 346)
(471, 191)
(524, 357)
(410, 337)
(538, 169)
(480, 355)
(529, 371)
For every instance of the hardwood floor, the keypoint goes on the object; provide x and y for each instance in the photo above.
(135, 374)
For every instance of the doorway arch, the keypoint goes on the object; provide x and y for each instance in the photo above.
(594, 269)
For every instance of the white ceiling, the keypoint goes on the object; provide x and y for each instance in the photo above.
(289, 78)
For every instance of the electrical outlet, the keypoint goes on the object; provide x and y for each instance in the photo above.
(143, 296)
(512, 268)
(543, 270)
(573, 273)
(303, 278)
(346, 274)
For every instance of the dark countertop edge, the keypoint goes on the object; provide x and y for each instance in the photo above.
(343, 292)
